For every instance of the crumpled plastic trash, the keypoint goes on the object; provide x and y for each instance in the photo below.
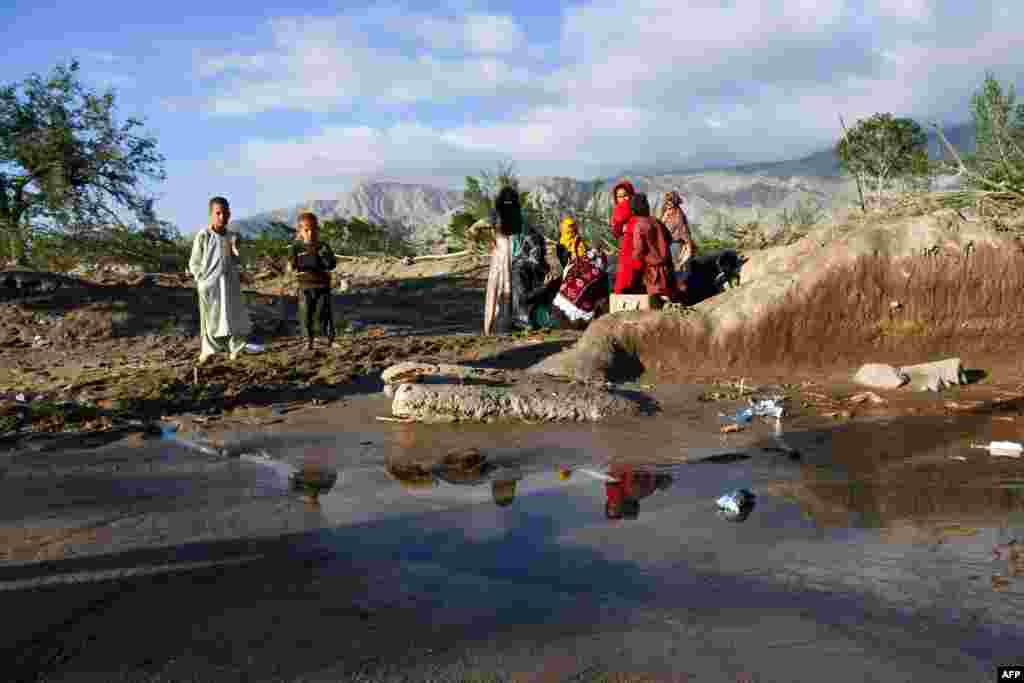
(1009, 449)
(598, 475)
(255, 348)
(770, 407)
(743, 416)
(736, 506)
(21, 398)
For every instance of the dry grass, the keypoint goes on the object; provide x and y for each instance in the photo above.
(967, 305)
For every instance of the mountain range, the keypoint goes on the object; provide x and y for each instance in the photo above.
(420, 213)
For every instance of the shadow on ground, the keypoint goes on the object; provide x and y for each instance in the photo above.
(279, 612)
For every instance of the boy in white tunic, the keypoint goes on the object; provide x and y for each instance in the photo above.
(224, 320)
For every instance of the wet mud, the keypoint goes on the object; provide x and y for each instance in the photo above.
(338, 547)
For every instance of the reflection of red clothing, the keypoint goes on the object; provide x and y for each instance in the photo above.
(627, 277)
(630, 484)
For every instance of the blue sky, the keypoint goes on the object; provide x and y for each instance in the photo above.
(272, 105)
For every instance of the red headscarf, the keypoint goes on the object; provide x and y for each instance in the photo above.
(620, 211)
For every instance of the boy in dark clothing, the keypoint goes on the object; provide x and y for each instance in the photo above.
(312, 262)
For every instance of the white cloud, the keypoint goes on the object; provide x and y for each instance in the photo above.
(352, 151)
(476, 33)
(489, 33)
(322, 64)
(916, 10)
(637, 82)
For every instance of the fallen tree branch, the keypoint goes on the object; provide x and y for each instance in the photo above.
(964, 171)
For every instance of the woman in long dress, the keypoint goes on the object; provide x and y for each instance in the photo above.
(627, 277)
(651, 250)
(518, 267)
(674, 218)
(498, 300)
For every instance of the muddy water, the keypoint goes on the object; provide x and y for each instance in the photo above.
(868, 554)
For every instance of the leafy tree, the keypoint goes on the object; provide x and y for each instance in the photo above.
(66, 164)
(999, 125)
(593, 216)
(457, 234)
(270, 243)
(481, 190)
(478, 204)
(478, 196)
(882, 149)
(356, 236)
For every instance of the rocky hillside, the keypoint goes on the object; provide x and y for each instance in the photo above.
(762, 191)
(420, 212)
(416, 212)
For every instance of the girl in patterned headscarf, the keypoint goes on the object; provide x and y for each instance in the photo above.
(674, 218)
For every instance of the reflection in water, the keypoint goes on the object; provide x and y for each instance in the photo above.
(313, 481)
(622, 497)
(504, 492)
(936, 506)
(1013, 553)
(625, 485)
(460, 468)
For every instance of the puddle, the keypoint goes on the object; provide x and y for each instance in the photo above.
(487, 528)
(830, 511)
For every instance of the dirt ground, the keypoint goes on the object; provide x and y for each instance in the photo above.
(117, 351)
(122, 347)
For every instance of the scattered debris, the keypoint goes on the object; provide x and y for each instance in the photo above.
(743, 416)
(598, 475)
(736, 506)
(871, 396)
(963, 405)
(730, 428)
(880, 376)
(958, 457)
(935, 376)
(771, 407)
(1006, 449)
(893, 305)
(729, 391)
(400, 420)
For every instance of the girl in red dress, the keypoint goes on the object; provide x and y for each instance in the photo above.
(627, 278)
